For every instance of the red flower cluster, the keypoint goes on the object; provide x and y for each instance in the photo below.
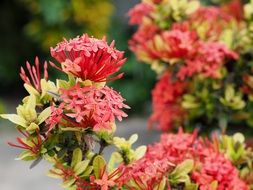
(210, 21)
(88, 58)
(214, 167)
(179, 42)
(161, 158)
(142, 40)
(230, 8)
(138, 12)
(146, 172)
(88, 107)
(208, 59)
(166, 96)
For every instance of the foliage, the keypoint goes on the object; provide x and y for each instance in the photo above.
(52, 18)
(203, 57)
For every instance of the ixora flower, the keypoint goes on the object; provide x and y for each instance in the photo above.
(139, 12)
(166, 98)
(207, 60)
(88, 58)
(88, 107)
(182, 160)
(35, 85)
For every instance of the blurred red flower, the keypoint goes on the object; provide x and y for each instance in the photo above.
(166, 96)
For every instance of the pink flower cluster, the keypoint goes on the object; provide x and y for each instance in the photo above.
(88, 58)
(193, 41)
(161, 158)
(208, 59)
(88, 107)
(166, 102)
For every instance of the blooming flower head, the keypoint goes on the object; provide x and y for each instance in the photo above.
(166, 106)
(88, 107)
(88, 58)
(179, 42)
(214, 167)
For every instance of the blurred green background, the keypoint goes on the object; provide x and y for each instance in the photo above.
(30, 27)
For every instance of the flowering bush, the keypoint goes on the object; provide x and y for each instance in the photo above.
(203, 57)
(70, 122)
(183, 161)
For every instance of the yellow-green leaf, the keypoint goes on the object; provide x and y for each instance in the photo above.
(114, 159)
(98, 165)
(185, 167)
(44, 115)
(133, 138)
(87, 172)
(53, 173)
(68, 183)
(238, 137)
(31, 102)
(77, 157)
(80, 167)
(161, 185)
(139, 152)
(15, 119)
(32, 127)
(31, 90)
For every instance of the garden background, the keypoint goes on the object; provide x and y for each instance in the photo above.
(28, 28)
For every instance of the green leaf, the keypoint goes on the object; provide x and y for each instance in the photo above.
(133, 138)
(68, 183)
(77, 157)
(31, 90)
(191, 186)
(114, 159)
(31, 103)
(190, 105)
(192, 7)
(62, 84)
(87, 172)
(32, 127)
(80, 167)
(98, 165)
(229, 93)
(15, 119)
(185, 167)
(238, 137)
(44, 115)
(54, 173)
(26, 156)
(139, 152)
(180, 173)
(161, 185)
